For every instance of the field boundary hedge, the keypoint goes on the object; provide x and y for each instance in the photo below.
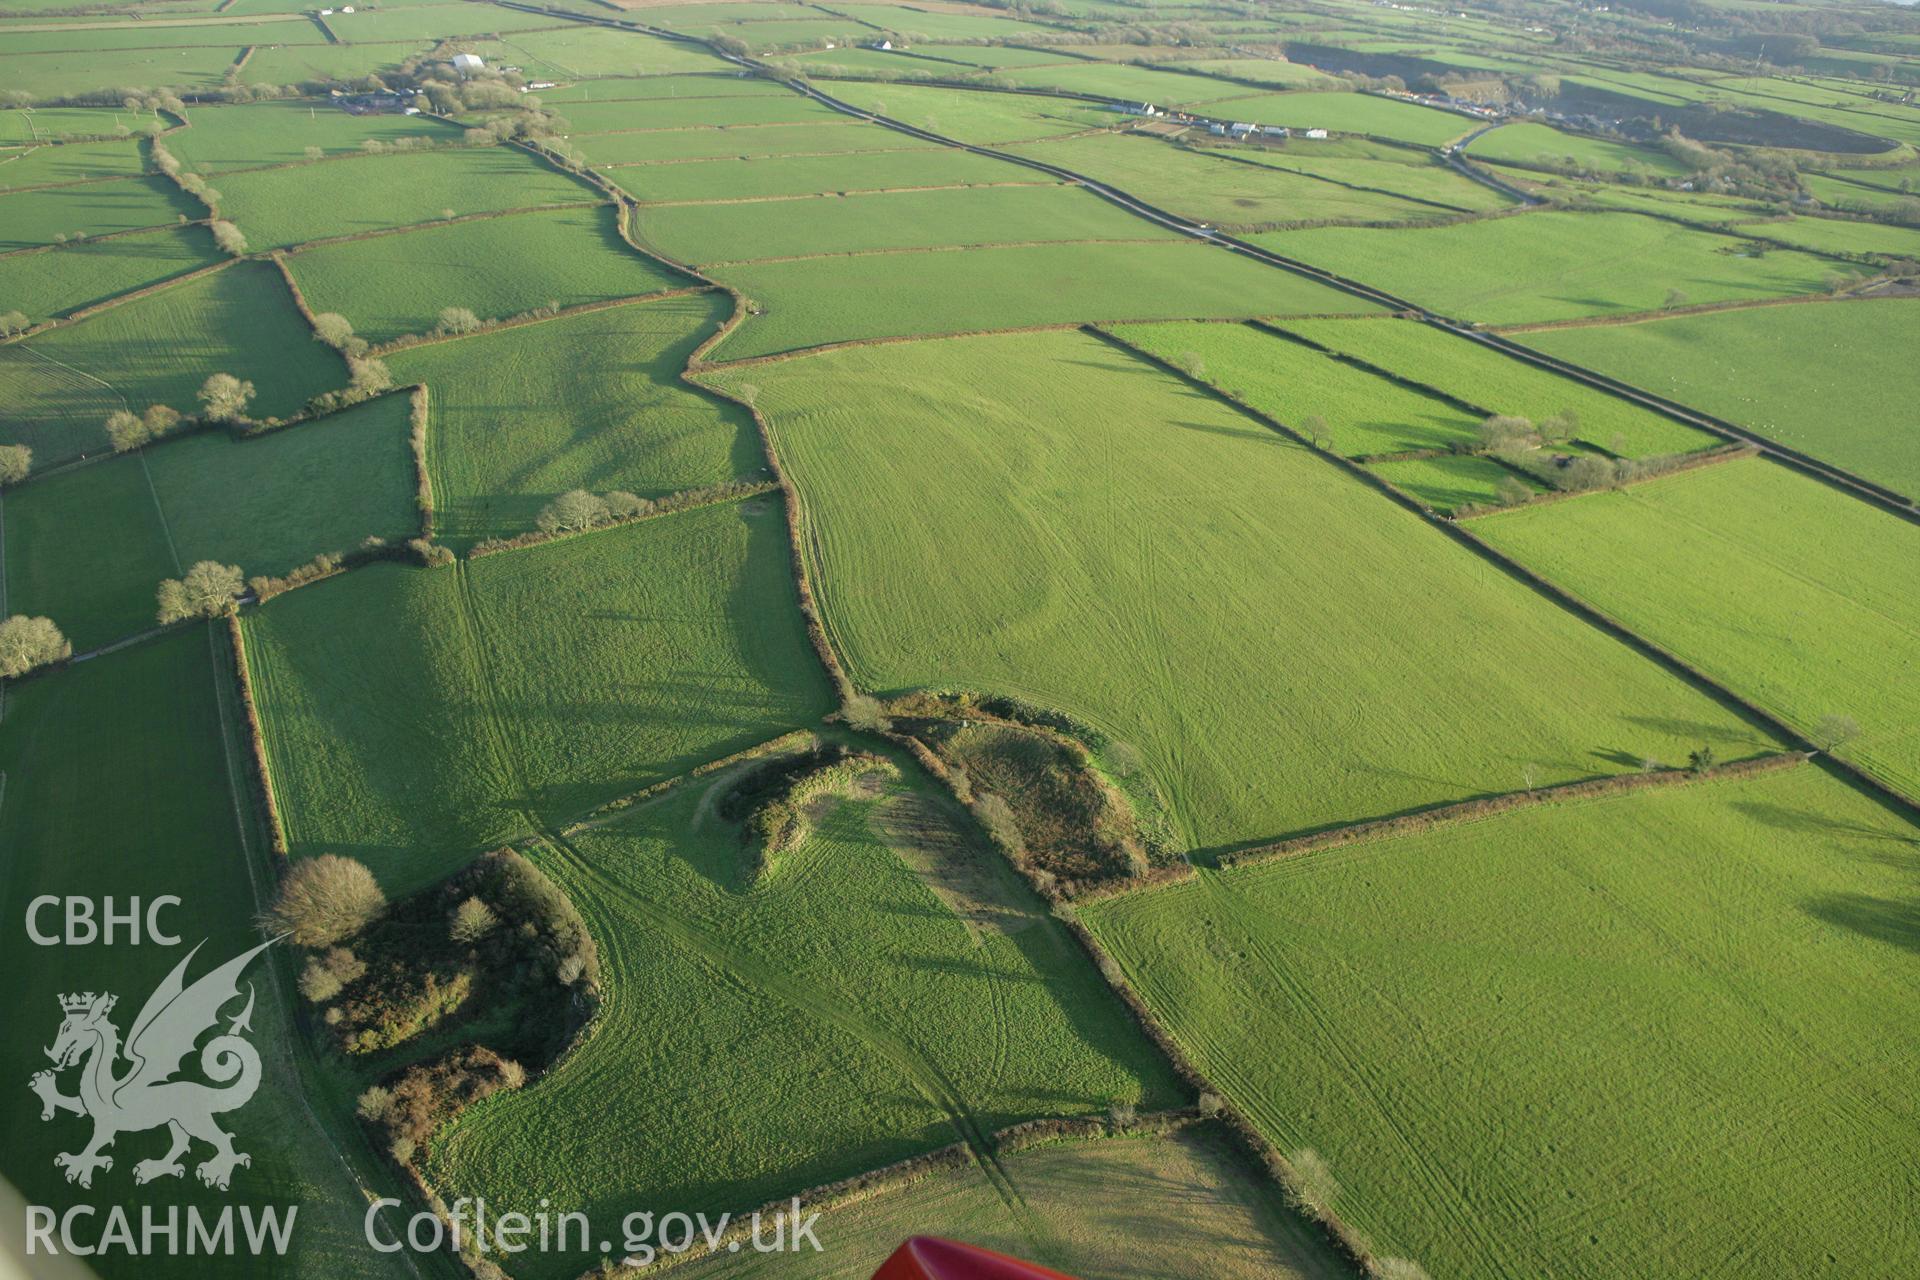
(711, 495)
(537, 315)
(790, 500)
(1505, 802)
(256, 738)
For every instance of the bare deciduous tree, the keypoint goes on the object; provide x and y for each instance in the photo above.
(224, 398)
(324, 900)
(26, 643)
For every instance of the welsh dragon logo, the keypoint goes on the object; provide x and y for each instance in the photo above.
(145, 1095)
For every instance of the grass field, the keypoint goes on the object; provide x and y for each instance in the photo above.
(87, 547)
(269, 133)
(975, 116)
(708, 233)
(1450, 482)
(720, 83)
(1810, 609)
(816, 301)
(1364, 413)
(308, 202)
(54, 75)
(121, 780)
(575, 51)
(42, 285)
(705, 180)
(525, 688)
(46, 215)
(1135, 84)
(1188, 582)
(595, 401)
(1750, 367)
(393, 285)
(1427, 1014)
(756, 142)
(60, 386)
(44, 123)
(1526, 143)
(1836, 235)
(1345, 113)
(1217, 190)
(1398, 171)
(1502, 384)
(1558, 266)
(70, 162)
(833, 1018)
(1132, 1207)
(686, 113)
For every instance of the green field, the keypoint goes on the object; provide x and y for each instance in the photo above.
(1378, 167)
(1451, 481)
(574, 51)
(521, 690)
(666, 145)
(55, 75)
(121, 779)
(1217, 190)
(594, 400)
(1188, 582)
(1134, 84)
(655, 114)
(1751, 367)
(46, 215)
(1364, 412)
(1836, 235)
(835, 1017)
(1810, 608)
(712, 233)
(87, 547)
(44, 123)
(1132, 1207)
(60, 386)
(723, 83)
(72, 162)
(705, 180)
(1502, 384)
(42, 285)
(1559, 265)
(298, 203)
(271, 133)
(1345, 113)
(1645, 1035)
(1543, 146)
(974, 116)
(393, 285)
(814, 301)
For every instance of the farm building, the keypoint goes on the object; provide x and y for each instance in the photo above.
(467, 63)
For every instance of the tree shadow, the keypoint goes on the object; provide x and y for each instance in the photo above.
(1893, 921)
